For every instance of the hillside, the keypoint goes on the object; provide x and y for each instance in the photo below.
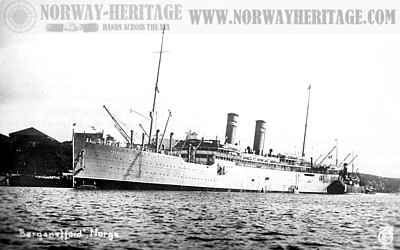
(381, 184)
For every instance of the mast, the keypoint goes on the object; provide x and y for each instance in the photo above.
(156, 87)
(337, 153)
(165, 128)
(305, 126)
(352, 163)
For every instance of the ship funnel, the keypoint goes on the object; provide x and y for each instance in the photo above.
(259, 137)
(231, 125)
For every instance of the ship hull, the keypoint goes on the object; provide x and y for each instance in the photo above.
(339, 187)
(122, 168)
(129, 185)
(106, 184)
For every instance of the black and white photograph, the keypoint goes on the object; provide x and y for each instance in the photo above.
(199, 124)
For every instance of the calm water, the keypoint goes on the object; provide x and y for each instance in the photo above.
(194, 220)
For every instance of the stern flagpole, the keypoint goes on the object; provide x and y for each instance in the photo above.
(73, 155)
(305, 126)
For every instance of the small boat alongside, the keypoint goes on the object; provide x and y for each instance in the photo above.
(346, 183)
(86, 187)
(370, 190)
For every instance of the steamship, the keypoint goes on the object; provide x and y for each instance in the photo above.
(193, 163)
(196, 164)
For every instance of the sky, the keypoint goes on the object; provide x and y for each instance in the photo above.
(52, 81)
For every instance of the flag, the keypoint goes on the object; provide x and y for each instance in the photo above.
(93, 128)
(309, 87)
